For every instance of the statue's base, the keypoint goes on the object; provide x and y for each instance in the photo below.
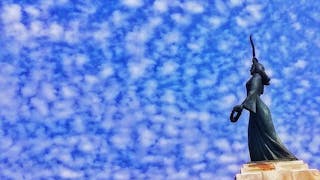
(277, 170)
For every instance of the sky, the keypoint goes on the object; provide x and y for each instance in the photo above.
(136, 89)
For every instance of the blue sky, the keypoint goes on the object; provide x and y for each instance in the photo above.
(135, 89)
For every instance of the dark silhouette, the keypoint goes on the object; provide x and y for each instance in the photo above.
(264, 143)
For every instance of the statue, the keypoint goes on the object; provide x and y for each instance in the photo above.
(264, 143)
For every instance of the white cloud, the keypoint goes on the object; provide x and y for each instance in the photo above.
(71, 34)
(55, 31)
(69, 91)
(111, 92)
(121, 175)
(6, 142)
(216, 21)
(47, 91)
(169, 67)
(87, 144)
(206, 82)
(305, 83)
(204, 116)
(182, 174)
(11, 13)
(32, 11)
(69, 173)
(180, 19)
(154, 22)
(147, 137)
(223, 144)
(191, 115)
(314, 145)
(300, 64)
(207, 176)
(255, 10)
(118, 18)
(235, 3)
(171, 130)
(17, 31)
(193, 7)
(160, 5)
(252, 14)
(36, 28)
(299, 91)
(138, 69)
(192, 152)
(238, 146)
(102, 34)
(306, 156)
(242, 22)
(138, 36)
(81, 59)
(46, 5)
(195, 46)
(199, 166)
(191, 71)
(267, 99)
(297, 26)
(132, 3)
(63, 109)
(135, 41)
(121, 139)
(91, 79)
(227, 101)
(79, 124)
(220, 6)
(169, 97)
(40, 105)
(29, 89)
(106, 71)
(227, 158)
(61, 2)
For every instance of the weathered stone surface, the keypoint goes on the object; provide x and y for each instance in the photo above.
(278, 170)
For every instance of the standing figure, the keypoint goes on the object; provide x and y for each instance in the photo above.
(264, 143)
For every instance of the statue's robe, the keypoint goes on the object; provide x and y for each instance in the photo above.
(264, 143)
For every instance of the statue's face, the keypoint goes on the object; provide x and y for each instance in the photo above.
(252, 69)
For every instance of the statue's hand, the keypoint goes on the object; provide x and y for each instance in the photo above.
(236, 109)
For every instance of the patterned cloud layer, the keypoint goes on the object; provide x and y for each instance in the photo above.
(136, 89)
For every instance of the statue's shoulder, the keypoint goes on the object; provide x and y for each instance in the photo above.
(256, 76)
(255, 79)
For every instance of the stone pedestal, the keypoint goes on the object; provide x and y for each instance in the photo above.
(278, 170)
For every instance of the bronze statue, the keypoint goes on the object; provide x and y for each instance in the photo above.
(264, 143)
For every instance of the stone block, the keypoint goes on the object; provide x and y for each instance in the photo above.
(278, 170)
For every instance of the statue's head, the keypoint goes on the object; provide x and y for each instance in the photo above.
(258, 67)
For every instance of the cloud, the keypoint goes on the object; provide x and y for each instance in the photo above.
(252, 14)
(132, 3)
(193, 7)
(68, 173)
(11, 13)
(228, 101)
(32, 11)
(300, 64)
(235, 3)
(169, 67)
(160, 5)
(55, 31)
(147, 137)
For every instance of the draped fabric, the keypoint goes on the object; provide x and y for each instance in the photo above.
(264, 143)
